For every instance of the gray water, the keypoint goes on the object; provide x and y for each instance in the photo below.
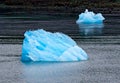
(102, 66)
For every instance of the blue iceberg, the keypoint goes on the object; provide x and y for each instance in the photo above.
(40, 45)
(90, 17)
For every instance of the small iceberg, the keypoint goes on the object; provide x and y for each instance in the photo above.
(40, 45)
(90, 17)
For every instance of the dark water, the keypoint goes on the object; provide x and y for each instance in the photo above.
(16, 25)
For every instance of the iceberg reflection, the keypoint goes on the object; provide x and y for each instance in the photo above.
(49, 72)
(90, 29)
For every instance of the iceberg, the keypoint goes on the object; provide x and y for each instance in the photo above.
(40, 45)
(90, 17)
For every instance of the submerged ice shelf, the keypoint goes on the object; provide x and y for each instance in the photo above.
(40, 45)
(90, 17)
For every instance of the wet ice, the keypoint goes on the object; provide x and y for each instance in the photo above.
(40, 45)
(90, 17)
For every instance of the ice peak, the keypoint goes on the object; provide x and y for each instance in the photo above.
(86, 10)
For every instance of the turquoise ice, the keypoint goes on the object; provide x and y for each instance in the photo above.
(40, 45)
(90, 17)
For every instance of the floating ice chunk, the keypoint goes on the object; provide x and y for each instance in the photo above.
(40, 45)
(90, 17)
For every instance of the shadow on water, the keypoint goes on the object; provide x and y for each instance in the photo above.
(91, 29)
